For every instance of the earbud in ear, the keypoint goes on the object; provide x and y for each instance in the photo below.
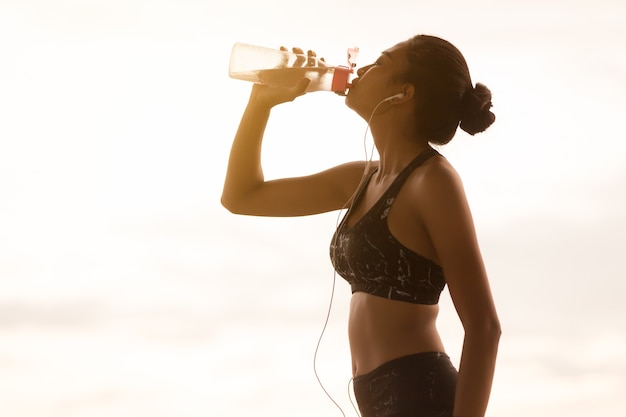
(394, 97)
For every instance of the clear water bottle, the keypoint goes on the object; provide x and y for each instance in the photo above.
(283, 68)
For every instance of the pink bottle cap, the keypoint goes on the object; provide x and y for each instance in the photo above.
(340, 79)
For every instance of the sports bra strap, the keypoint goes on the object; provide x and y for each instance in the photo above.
(387, 198)
(406, 171)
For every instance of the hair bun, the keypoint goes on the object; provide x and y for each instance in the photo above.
(476, 115)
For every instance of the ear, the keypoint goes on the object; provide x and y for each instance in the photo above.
(407, 92)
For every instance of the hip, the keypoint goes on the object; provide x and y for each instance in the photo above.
(416, 385)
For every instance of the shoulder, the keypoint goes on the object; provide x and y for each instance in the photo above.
(440, 205)
(436, 187)
(435, 174)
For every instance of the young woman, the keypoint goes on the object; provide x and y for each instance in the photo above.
(407, 233)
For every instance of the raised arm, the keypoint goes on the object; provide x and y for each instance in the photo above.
(245, 189)
(449, 223)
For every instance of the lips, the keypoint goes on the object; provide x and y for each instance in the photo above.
(351, 85)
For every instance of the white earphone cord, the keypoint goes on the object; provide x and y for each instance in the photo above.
(332, 293)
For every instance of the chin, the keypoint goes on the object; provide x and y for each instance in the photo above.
(353, 103)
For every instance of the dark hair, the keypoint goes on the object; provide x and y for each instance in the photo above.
(445, 96)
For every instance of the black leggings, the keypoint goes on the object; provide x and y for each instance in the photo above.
(419, 385)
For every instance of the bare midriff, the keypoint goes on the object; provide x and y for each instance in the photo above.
(381, 330)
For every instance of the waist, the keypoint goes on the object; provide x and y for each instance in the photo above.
(380, 330)
(415, 360)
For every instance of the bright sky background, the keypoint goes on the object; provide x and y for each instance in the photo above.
(127, 290)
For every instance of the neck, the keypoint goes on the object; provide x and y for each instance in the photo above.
(396, 146)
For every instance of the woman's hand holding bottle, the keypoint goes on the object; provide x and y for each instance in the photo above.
(272, 94)
(285, 72)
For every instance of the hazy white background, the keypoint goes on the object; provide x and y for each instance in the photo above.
(125, 288)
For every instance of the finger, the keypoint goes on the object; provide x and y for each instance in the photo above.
(284, 59)
(311, 59)
(300, 57)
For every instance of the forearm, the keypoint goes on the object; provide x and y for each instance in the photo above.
(476, 371)
(244, 170)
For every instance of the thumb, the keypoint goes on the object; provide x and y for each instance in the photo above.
(300, 88)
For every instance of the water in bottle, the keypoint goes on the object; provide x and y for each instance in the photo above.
(283, 68)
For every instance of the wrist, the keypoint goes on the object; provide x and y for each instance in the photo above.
(258, 101)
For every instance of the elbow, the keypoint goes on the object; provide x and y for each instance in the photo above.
(492, 334)
(231, 205)
(495, 330)
(238, 205)
(226, 203)
(489, 329)
(492, 328)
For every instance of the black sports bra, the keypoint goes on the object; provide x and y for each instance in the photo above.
(372, 260)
